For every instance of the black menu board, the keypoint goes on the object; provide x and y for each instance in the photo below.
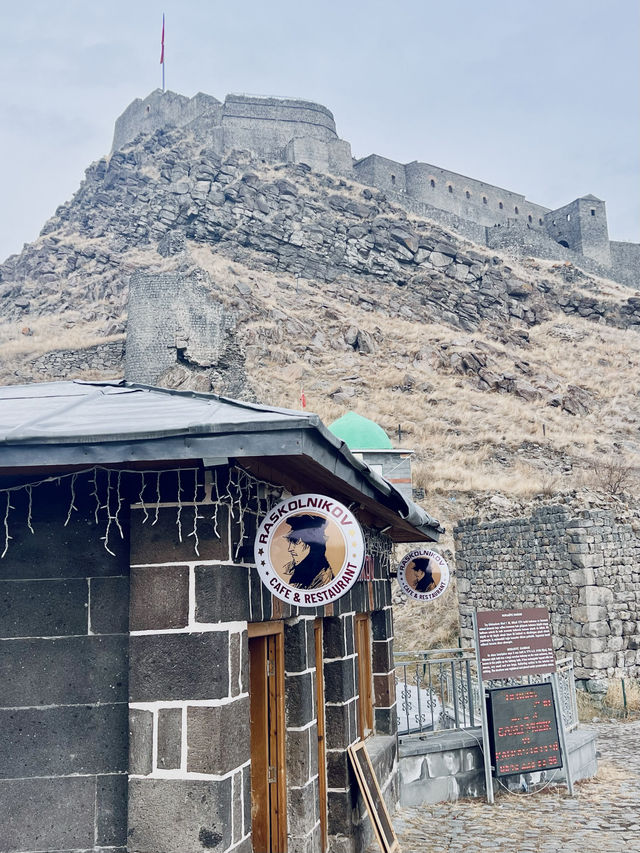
(523, 729)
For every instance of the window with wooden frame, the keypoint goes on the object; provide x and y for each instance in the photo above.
(362, 628)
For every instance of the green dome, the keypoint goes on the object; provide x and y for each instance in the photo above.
(360, 433)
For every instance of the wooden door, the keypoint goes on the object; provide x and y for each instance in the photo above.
(365, 690)
(266, 697)
(322, 761)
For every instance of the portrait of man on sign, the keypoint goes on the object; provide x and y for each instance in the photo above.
(421, 575)
(308, 566)
(309, 550)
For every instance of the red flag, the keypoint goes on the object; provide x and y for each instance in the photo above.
(162, 48)
(303, 399)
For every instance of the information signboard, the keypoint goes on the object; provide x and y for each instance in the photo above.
(512, 643)
(523, 729)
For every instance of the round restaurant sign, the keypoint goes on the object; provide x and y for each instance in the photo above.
(423, 574)
(309, 550)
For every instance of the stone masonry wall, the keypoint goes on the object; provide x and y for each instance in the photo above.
(63, 669)
(277, 127)
(125, 669)
(189, 688)
(105, 359)
(585, 569)
(178, 329)
(625, 259)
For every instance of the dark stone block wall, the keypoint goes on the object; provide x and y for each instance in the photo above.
(125, 704)
(64, 670)
(189, 689)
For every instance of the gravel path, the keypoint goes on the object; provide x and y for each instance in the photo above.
(603, 817)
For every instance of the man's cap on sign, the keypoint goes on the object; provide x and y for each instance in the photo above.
(310, 528)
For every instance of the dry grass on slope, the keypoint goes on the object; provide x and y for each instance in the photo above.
(46, 334)
(470, 445)
(465, 439)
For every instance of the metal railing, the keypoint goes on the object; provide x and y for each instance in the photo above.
(566, 693)
(438, 689)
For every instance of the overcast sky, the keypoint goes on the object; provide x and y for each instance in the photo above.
(537, 96)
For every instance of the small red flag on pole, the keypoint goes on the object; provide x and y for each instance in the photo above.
(162, 53)
(303, 399)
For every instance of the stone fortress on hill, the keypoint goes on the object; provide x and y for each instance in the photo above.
(295, 131)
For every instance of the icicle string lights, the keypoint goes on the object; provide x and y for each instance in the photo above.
(242, 495)
(155, 520)
(380, 546)
(30, 509)
(72, 504)
(94, 493)
(215, 515)
(179, 518)
(194, 532)
(7, 537)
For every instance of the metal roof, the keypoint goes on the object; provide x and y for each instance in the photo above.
(83, 423)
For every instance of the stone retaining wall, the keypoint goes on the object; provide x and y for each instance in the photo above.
(585, 569)
(448, 766)
(107, 359)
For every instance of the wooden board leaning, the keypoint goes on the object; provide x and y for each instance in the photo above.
(372, 796)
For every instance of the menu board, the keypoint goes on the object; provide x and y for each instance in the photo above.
(512, 643)
(523, 729)
(372, 796)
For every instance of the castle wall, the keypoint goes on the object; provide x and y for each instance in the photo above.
(298, 131)
(464, 197)
(584, 569)
(470, 199)
(276, 128)
(594, 233)
(387, 175)
(518, 239)
(265, 125)
(464, 227)
(332, 157)
(625, 260)
(161, 110)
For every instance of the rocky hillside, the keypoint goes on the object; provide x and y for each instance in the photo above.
(512, 381)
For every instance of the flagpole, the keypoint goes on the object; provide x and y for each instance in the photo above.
(162, 53)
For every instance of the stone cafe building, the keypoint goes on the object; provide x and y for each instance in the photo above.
(161, 690)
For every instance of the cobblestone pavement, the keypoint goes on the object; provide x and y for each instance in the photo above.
(604, 816)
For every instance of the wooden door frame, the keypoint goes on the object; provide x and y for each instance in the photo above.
(275, 695)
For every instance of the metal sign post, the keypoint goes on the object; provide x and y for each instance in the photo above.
(486, 746)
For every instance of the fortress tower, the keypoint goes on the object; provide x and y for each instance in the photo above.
(582, 227)
(280, 129)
